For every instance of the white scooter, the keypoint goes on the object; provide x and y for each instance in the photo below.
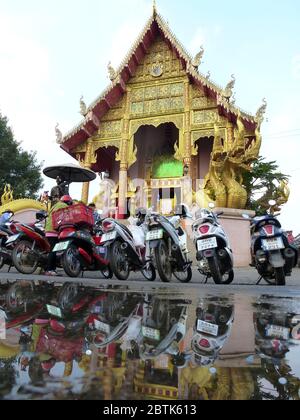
(167, 245)
(214, 255)
(127, 249)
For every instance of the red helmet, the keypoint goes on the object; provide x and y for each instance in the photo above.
(66, 199)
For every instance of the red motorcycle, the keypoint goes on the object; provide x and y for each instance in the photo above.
(79, 238)
(30, 246)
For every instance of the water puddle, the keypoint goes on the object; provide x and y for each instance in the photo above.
(73, 342)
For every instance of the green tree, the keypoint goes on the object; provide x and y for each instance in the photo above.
(18, 167)
(262, 184)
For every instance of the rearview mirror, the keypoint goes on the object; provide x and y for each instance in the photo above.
(272, 203)
(211, 205)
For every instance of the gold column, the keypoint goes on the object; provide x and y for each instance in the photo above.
(187, 195)
(123, 175)
(87, 164)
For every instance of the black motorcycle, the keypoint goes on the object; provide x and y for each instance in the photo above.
(272, 254)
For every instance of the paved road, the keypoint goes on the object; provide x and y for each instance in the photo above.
(245, 282)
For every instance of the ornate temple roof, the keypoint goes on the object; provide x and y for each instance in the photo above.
(155, 26)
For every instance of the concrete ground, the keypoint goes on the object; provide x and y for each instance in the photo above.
(245, 282)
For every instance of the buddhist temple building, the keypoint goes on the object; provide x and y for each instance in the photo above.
(163, 123)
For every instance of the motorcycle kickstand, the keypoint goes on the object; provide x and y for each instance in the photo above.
(9, 268)
(206, 280)
(259, 281)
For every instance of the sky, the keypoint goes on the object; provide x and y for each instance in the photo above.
(52, 52)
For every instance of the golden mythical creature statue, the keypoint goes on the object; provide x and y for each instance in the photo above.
(8, 195)
(224, 182)
(280, 194)
(213, 185)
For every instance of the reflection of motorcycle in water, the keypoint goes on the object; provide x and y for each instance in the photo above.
(215, 317)
(163, 327)
(275, 331)
(109, 318)
(25, 301)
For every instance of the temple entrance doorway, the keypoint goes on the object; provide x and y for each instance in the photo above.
(157, 167)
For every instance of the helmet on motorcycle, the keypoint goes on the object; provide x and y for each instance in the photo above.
(67, 199)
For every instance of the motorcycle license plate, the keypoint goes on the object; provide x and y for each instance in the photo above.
(272, 244)
(155, 235)
(61, 246)
(12, 239)
(101, 326)
(276, 331)
(107, 237)
(209, 243)
(53, 310)
(151, 333)
(207, 328)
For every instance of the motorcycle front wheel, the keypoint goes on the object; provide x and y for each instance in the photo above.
(118, 261)
(149, 273)
(163, 263)
(184, 276)
(23, 260)
(70, 262)
(17, 296)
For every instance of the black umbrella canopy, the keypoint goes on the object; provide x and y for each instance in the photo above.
(70, 173)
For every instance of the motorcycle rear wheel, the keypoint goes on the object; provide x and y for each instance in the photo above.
(19, 257)
(70, 262)
(118, 261)
(162, 262)
(217, 275)
(280, 276)
(150, 273)
(184, 276)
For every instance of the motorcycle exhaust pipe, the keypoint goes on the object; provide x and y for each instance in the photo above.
(290, 257)
(124, 246)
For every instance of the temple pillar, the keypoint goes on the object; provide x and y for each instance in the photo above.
(123, 182)
(85, 192)
(87, 164)
(124, 154)
(187, 188)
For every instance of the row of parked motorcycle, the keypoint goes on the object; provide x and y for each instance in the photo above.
(151, 243)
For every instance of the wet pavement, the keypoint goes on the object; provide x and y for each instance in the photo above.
(141, 341)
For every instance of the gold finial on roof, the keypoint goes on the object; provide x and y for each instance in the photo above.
(154, 8)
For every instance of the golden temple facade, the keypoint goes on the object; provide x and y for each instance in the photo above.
(162, 122)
